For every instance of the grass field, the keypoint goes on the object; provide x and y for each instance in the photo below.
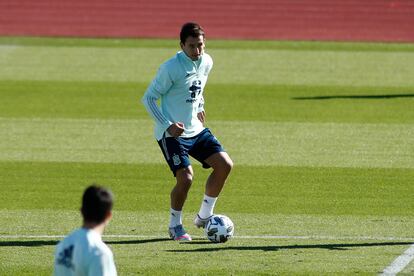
(321, 134)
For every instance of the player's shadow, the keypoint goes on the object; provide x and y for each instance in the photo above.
(336, 246)
(29, 243)
(34, 243)
(384, 96)
(139, 241)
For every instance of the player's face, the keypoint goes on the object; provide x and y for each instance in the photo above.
(193, 47)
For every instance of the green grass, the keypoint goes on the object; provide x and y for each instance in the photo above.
(221, 44)
(120, 100)
(322, 191)
(322, 136)
(290, 66)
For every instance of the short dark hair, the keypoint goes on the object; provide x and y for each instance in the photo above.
(97, 202)
(190, 29)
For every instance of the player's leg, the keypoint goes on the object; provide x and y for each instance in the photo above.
(210, 152)
(177, 158)
(222, 165)
(179, 193)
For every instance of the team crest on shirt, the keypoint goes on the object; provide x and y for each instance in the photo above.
(65, 257)
(194, 90)
(176, 160)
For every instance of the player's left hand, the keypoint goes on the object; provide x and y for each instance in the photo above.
(201, 116)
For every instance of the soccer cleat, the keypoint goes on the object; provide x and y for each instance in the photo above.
(200, 222)
(178, 233)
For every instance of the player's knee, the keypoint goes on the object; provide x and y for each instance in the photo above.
(226, 165)
(184, 177)
(186, 182)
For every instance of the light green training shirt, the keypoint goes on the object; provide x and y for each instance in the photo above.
(179, 84)
(83, 253)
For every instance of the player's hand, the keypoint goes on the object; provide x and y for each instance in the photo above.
(201, 116)
(176, 129)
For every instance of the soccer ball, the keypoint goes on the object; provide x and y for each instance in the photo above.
(219, 228)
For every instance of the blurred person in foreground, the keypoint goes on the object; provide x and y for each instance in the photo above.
(179, 127)
(83, 252)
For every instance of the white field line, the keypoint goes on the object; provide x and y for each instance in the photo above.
(271, 237)
(400, 263)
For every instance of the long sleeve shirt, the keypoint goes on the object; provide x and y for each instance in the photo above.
(179, 85)
(83, 253)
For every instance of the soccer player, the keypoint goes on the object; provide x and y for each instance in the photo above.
(83, 252)
(179, 126)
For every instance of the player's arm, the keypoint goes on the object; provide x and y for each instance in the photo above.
(176, 129)
(201, 114)
(159, 86)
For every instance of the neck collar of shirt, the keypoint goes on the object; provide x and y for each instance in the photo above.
(196, 63)
(92, 232)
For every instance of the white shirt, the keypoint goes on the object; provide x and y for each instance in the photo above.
(179, 84)
(84, 253)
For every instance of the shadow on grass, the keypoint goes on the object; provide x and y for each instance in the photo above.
(336, 246)
(386, 96)
(34, 243)
(28, 243)
(138, 241)
(213, 246)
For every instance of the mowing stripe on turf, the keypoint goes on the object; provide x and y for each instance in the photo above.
(400, 262)
(265, 237)
(262, 143)
(286, 67)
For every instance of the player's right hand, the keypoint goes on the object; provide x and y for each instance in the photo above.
(176, 129)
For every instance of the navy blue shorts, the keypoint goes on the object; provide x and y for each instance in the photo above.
(177, 150)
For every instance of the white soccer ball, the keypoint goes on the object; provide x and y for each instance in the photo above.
(219, 228)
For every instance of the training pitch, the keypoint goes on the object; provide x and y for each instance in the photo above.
(321, 134)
